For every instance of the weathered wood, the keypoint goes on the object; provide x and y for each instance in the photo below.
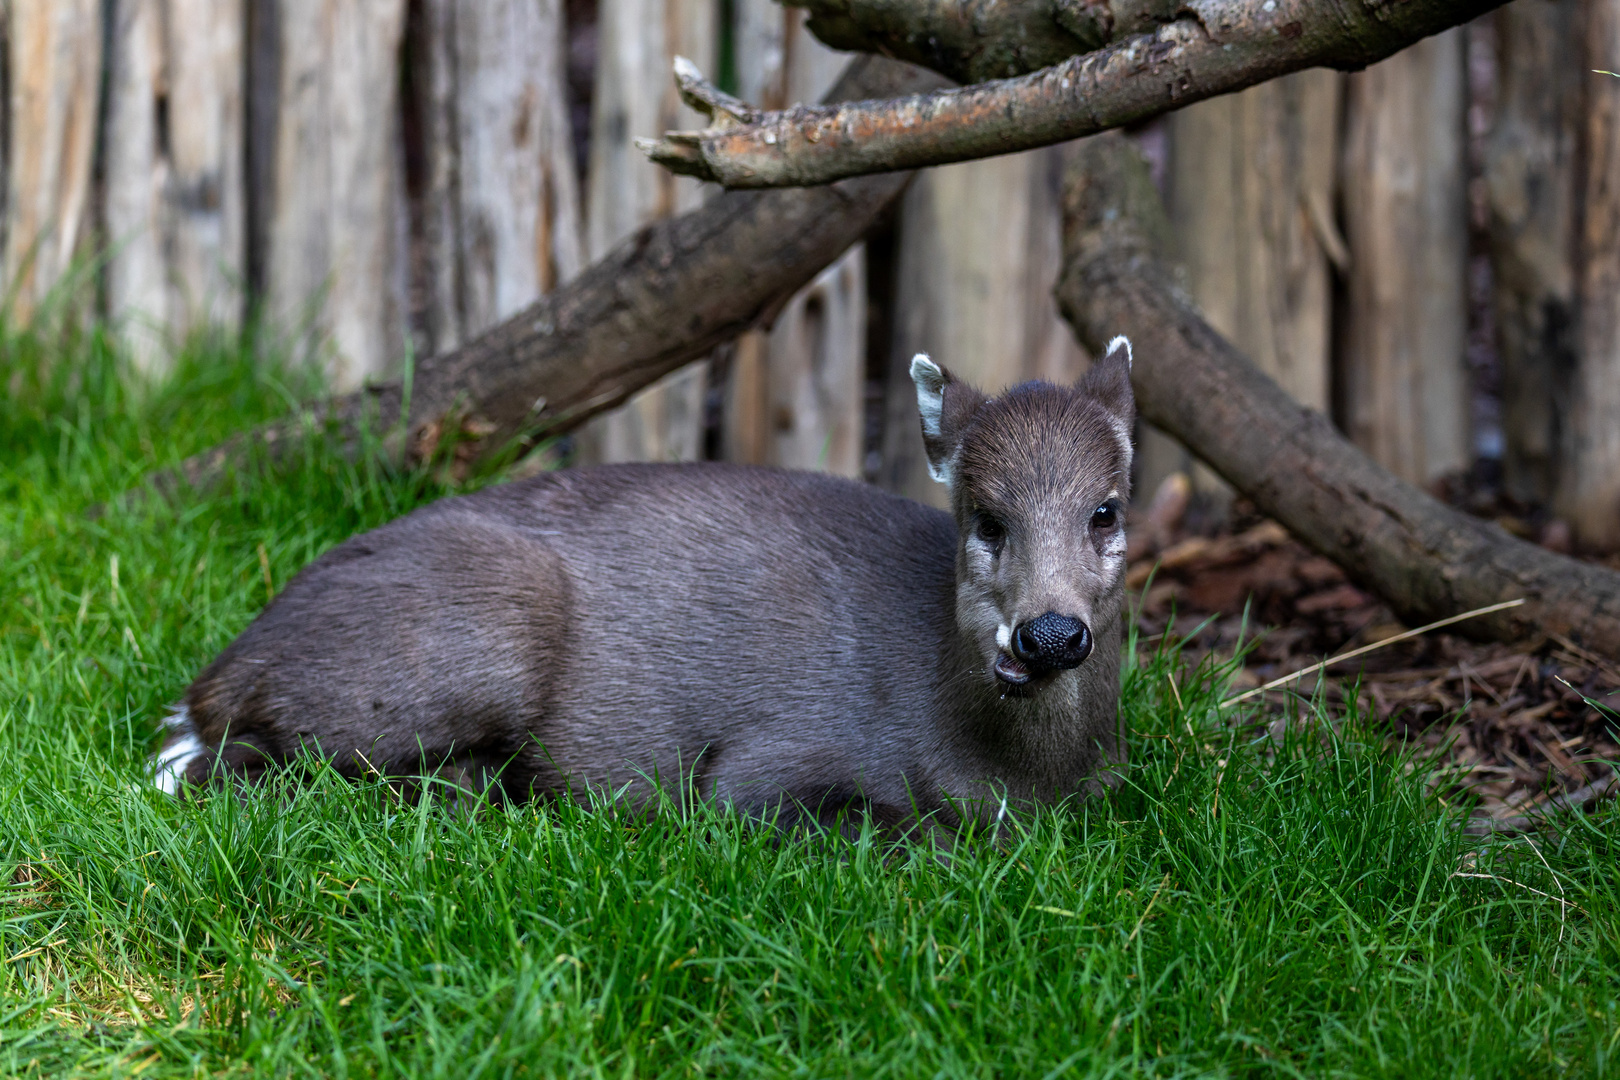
(54, 60)
(1425, 559)
(1533, 191)
(1252, 187)
(1406, 390)
(1588, 492)
(794, 395)
(503, 221)
(174, 195)
(665, 297)
(637, 42)
(334, 260)
(796, 392)
(979, 253)
(1251, 197)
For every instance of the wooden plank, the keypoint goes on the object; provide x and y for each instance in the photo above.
(137, 212)
(980, 251)
(796, 391)
(1588, 493)
(637, 42)
(174, 190)
(1406, 389)
(1533, 191)
(334, 248)
(1251, 180)
(54, 54)
(503, 192)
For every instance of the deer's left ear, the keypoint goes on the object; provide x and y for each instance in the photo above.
(1109, 381)
(947, 405)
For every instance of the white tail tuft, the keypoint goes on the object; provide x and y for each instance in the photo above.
(1114, 345)
(169, 764)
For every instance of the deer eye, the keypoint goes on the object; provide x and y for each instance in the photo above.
(1105, 517)
(991, 531)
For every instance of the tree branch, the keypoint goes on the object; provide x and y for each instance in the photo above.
(974, 40)
(1425, 559)
(663, 298)
(1213, 47)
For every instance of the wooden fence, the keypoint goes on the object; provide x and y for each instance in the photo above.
(1427, 249)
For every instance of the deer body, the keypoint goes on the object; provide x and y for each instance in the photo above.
(795, 644)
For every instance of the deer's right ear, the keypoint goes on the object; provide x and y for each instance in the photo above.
(946, 404)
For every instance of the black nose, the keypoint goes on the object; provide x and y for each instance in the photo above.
(1052, 641)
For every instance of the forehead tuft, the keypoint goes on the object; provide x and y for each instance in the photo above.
(1039, 441)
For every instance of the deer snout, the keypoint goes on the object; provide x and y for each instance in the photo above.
(1052, 641)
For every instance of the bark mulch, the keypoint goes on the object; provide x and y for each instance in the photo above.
(1513, 726)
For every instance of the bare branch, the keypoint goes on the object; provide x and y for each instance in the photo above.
(1214, 47)
(1426, 560)
(665, 297)
(974, 40)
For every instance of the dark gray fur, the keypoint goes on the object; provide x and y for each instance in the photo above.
(789, 642)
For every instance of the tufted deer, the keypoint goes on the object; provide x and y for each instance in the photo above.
(792, 643)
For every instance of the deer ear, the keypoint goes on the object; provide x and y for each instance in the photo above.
(1109, 381)
(946, 404)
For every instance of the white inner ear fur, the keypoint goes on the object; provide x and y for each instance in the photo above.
(930, 382)
(1122, 430)
(1114, 346)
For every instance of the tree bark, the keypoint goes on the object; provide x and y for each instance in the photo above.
(974, 40)
(666, 296)
(1425, 559)
(1217, 47)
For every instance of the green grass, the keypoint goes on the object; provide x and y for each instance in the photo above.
(1241, 908)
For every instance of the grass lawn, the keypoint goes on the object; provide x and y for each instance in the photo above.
(1242, 907)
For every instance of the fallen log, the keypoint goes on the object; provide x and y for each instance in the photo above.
(1201, 49)
(665, 297)
(1426, 560)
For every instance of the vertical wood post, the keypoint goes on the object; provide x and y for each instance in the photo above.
(501, 207)
(1533, 193)
(1252, 185)
(980, 251)
(174, 192)
(1405, 384)
(795, 394)
(1588, 492)
(635, 95)
(54, 56)
(335, 254)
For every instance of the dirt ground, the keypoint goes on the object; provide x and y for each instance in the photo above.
(1513, 725)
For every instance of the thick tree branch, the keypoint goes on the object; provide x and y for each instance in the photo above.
(665, 297)
(1212, 47)
(1425, 559)
(974, 40)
